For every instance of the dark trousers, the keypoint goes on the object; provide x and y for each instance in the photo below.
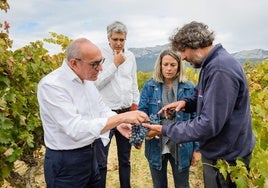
(76, 168)
(214, 179)
(160, 179)
(123, 153)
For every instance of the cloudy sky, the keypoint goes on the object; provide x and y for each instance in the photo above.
(238, 24)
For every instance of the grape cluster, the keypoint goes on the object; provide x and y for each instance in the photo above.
(138, 134)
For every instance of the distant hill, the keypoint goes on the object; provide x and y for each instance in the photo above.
(146, 57)
(252, 55)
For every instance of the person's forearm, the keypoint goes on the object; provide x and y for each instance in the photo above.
(112, 122)
(190, 106)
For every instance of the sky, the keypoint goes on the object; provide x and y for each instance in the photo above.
(238, 24)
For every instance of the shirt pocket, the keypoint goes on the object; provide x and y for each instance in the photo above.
(154, 105)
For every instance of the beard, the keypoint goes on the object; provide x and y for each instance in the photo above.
(197, 60)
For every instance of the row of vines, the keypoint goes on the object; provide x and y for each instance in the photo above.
(21, 133)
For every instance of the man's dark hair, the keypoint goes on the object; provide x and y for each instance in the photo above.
(193, 35)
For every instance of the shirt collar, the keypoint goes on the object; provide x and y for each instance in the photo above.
(70, 74)
(211, 54)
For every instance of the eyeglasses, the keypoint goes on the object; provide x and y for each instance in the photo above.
(118, 39)
(94, 64)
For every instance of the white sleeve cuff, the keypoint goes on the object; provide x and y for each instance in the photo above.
(105, 138)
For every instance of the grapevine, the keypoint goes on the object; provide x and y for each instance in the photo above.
(21, 132)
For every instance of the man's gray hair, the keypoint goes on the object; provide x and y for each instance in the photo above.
(74, 48)
(117, 27)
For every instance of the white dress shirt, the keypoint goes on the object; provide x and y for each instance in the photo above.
(118, 85)
(72, 112)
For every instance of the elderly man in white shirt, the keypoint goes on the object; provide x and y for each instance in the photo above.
(118, 86)
(74, 116)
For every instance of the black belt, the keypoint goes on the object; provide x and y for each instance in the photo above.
(90, 146)
(245, 159)
(119, 111)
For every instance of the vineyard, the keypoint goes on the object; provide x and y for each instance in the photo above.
(21, 133)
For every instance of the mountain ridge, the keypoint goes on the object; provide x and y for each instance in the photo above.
(146, 57)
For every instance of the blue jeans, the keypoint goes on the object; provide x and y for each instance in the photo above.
(159, 177)
(76, 168)
(123, 153)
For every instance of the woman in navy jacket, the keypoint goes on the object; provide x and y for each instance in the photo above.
(169, 84)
